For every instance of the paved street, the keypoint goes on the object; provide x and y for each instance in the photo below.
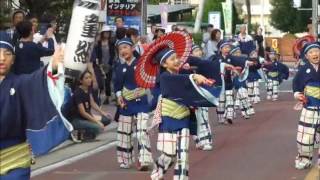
(262, 148)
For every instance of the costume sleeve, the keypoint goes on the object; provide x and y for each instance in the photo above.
(182, 89)
(42, 95)
(284, 71)
(298, 82)
(209, 69)
(118, 80)
(43, 51)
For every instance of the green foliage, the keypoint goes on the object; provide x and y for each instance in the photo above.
(156, 2)
(4, 15)
(197, 38)
(288, 19)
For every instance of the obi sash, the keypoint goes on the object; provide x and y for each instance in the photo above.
(273, 74)
(174, 110)
(313, 95)
(130, 95)
(13, 157)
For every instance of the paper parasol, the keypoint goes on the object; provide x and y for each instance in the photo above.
(147, 68)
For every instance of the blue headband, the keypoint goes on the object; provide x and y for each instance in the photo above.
(310, 46)
(124, 41)
(194, 46)
(223, 43)
(5, 41)
(162, 55)
(234, 49)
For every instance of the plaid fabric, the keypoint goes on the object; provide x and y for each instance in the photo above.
(221, 108)
(204, 135)
(309, 122)
(172, 145)
(245, 106)
(229, 105)
(125, 140)
(144, 147)
(272, 89)
(253, 91)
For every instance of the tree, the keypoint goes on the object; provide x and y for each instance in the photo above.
(4, 15)
(156, 2)
(61, 10)
(288, 19)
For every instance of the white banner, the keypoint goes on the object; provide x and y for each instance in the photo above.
(215, 19)
(82, 31)
(164, 14)
(297, 3)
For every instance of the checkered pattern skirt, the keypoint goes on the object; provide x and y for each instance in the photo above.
(272, 89)
(126, 124)
(225, 108)
(204, 135)
(253, 91)
(308, 124)
(173, 146)
(244, 103)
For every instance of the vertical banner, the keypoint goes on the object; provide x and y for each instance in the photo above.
(130, 10)
(215, 19)
(164, 15)
(227, 16)
(82, 32)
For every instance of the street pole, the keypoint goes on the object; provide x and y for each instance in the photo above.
(315, 17)
(199, 17)
(144, 21)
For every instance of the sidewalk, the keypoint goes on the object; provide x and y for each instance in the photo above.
(70, 149)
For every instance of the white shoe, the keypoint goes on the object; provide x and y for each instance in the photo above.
(268, 97)
(124, 166)
(246, 117)
(207, 147)
(302, 163)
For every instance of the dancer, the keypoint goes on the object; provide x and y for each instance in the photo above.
(134, 107)
(306, 88)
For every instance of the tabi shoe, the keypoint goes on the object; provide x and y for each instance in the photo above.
(207, 147)
(124, 166)
(302, 163)
(268, 97)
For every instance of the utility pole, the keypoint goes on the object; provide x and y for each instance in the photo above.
(199, 17)
(315, 17)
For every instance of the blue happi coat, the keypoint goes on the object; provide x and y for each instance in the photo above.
(307, 81)
(125, 78)
(30, 110)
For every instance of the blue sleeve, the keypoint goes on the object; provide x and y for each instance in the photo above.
(298, 82)
(43, 51)
(45, 125)
(119, 78)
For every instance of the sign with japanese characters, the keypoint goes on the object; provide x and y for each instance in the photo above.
(82, 32)
(130, 10)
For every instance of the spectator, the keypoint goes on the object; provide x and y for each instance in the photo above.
(35, 23)
(17, 17)
(246, 42)
(206, 35)
(49, 22)
(28, 53)
(119, 22)
(153, 29)
(211, 47)
(103, 55)
(159, 32)
(133, 34)
(83, 121)
(259, 39)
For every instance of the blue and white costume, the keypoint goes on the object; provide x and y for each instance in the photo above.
(136, 110)
(307, 82)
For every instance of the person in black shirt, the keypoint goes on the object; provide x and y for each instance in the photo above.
(82, 119)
